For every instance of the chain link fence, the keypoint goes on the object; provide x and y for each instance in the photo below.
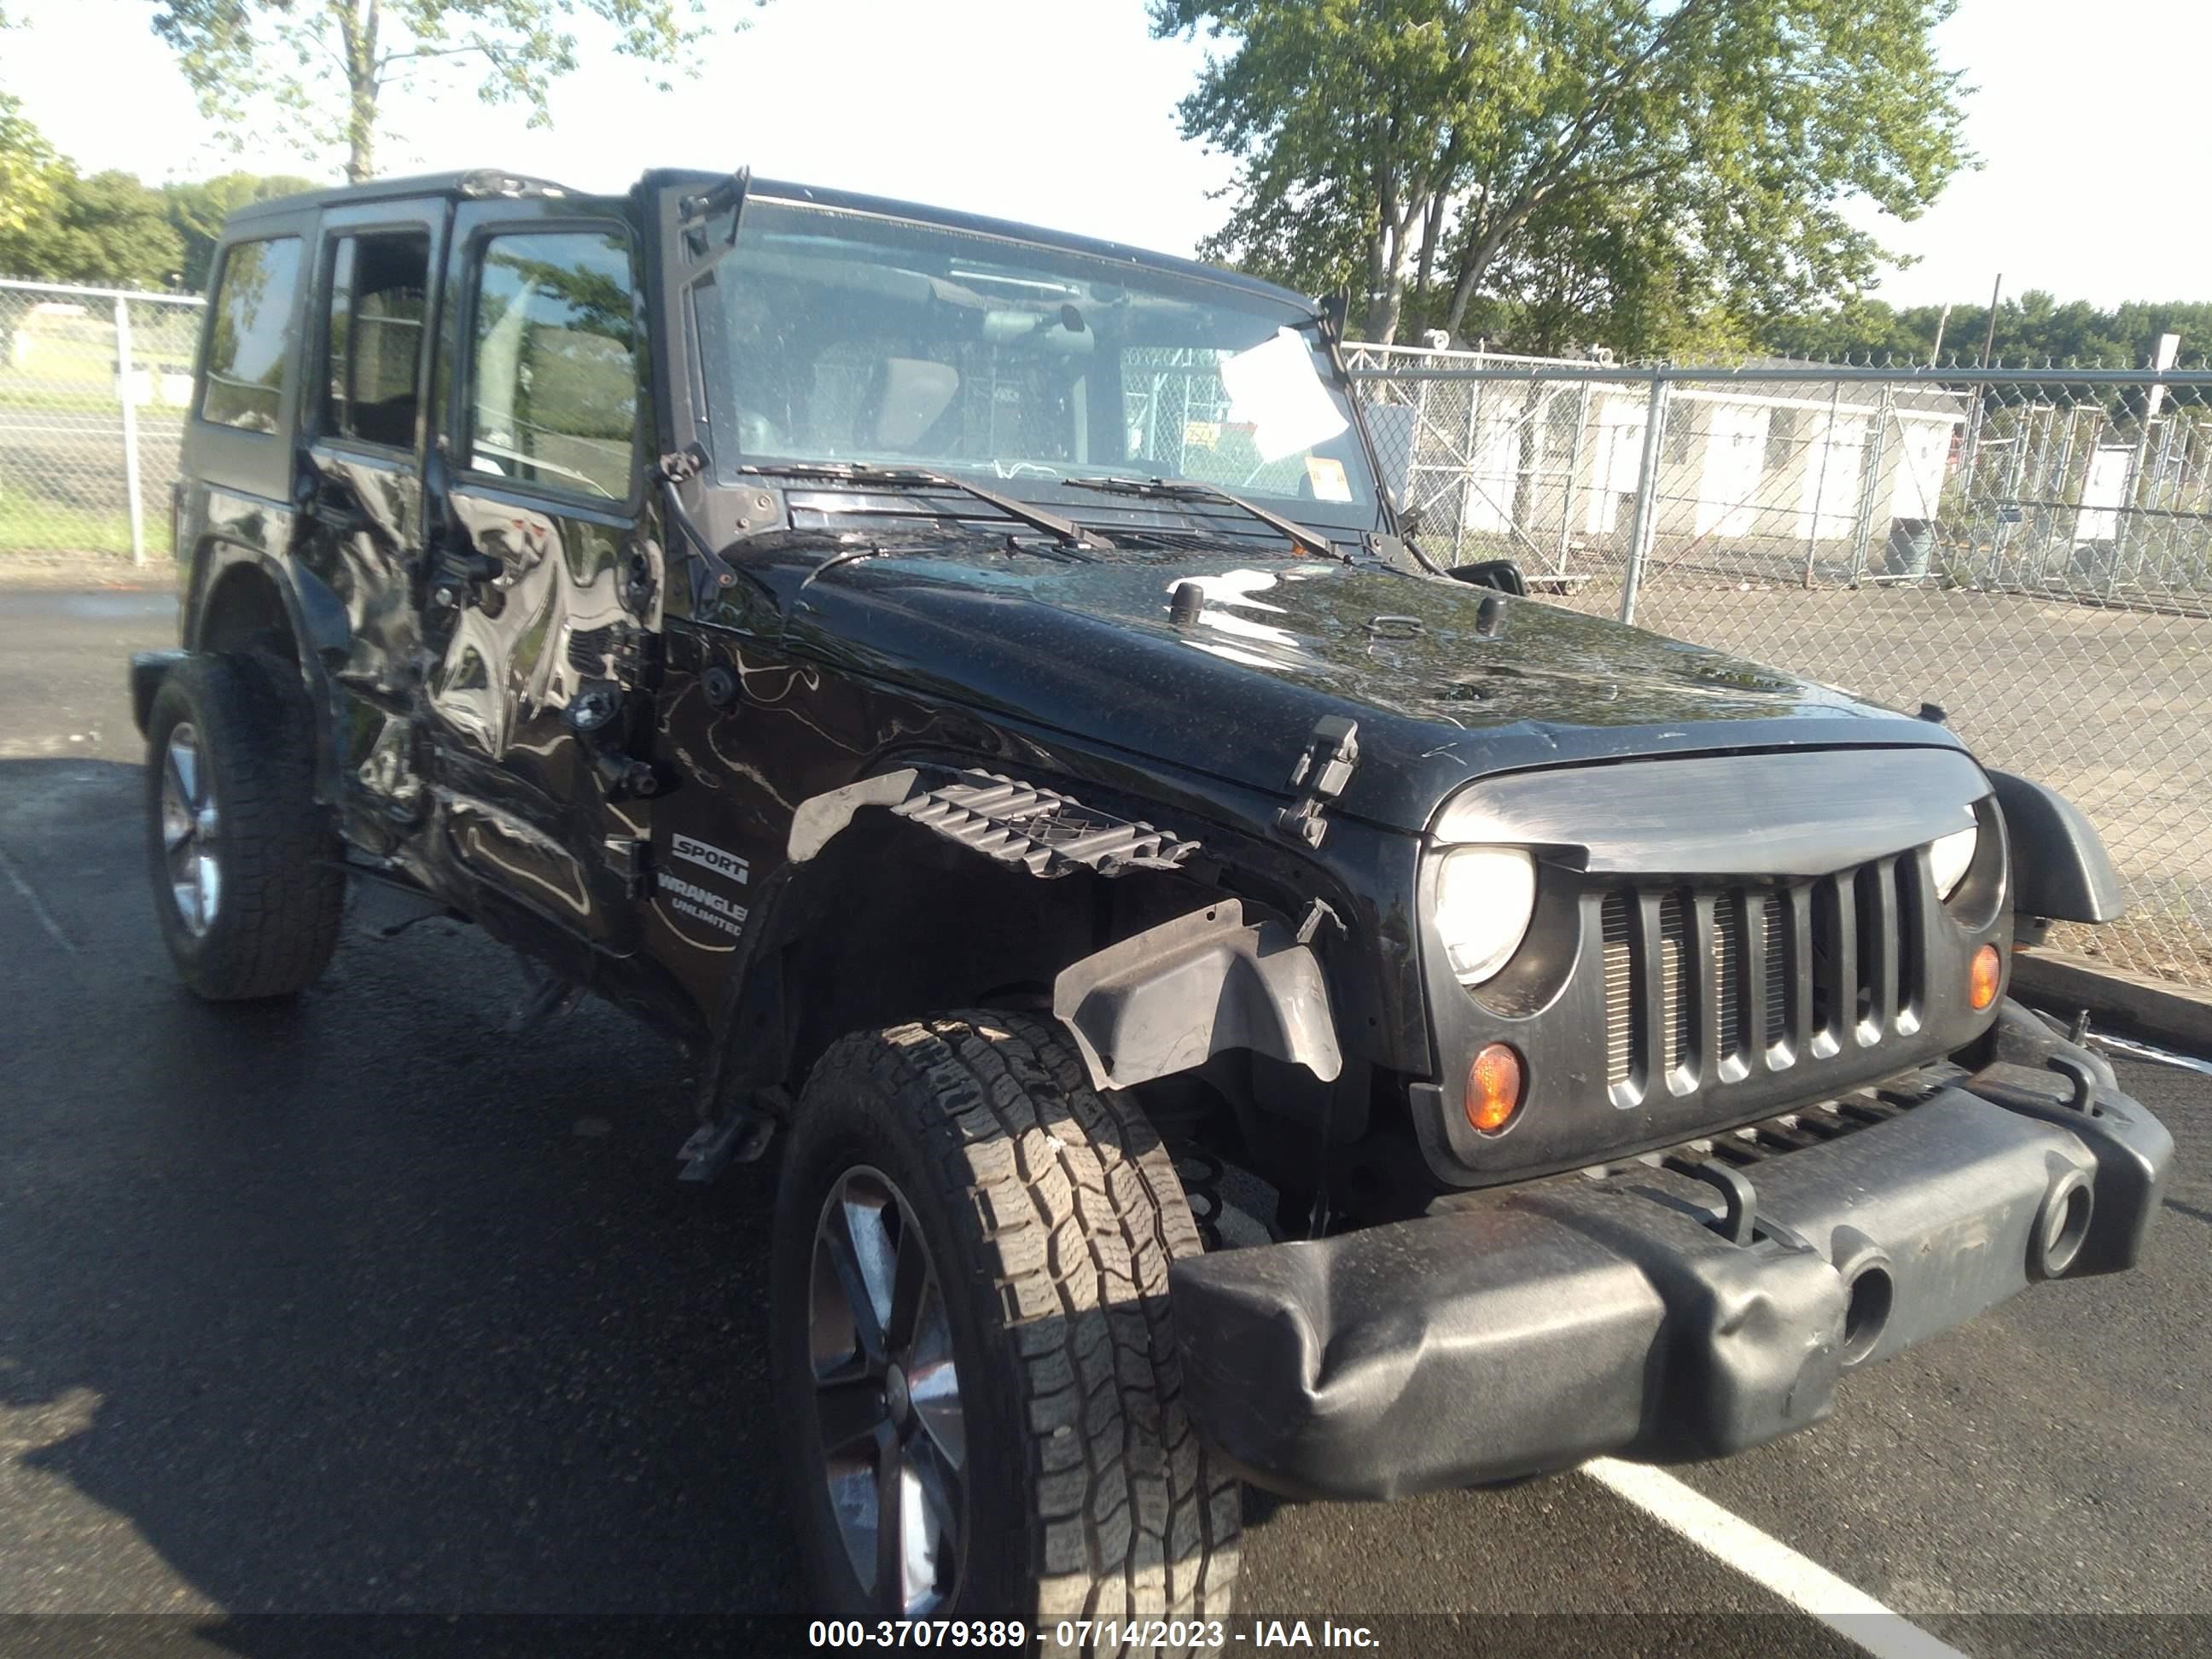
(94, 384)
(2030, 550)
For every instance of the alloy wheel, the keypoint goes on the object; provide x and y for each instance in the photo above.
(190, 830)
(887, 1396)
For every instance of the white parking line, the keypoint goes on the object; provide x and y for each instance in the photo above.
(38, 905)
(1805, 1584)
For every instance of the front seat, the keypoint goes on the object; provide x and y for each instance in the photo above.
(906, 398)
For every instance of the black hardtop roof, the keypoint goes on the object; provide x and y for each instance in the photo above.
(483, 182)
(477, 182)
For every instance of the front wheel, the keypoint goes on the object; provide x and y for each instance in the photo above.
(975, 1371)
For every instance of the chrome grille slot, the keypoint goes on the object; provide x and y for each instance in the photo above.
(1709, 987)
(1912, 943)
(1774, 926)
(1619, 989)
(1681, 1010)
(1728, 978)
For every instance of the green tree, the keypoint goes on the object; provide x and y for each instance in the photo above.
(198, 210)
(1416, 149)
(2032, 329)
(108, 230)
(30, 170)
(325, 65)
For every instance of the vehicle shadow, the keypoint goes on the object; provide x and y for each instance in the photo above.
(354, 1303)
(359, 1303)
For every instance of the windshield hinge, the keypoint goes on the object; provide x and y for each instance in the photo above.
(1322, 771)
(711, 573)
(679, 464)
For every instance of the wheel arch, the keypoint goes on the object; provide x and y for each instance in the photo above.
(252, 601)
(878, 921)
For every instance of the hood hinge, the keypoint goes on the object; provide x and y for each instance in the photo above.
(1330, 754)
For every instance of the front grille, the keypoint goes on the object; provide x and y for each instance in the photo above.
(1707, 985)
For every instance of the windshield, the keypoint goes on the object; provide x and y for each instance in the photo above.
(838, 337)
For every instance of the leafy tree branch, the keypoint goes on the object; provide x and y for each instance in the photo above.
(325, 65)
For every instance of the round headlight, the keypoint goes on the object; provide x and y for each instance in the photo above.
(1484, 897)
(1948, 857)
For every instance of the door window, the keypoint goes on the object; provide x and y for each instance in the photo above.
(553, 393)
(249, 338)
(379, 287)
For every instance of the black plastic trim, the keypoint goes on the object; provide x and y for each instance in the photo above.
(2061, 869)
(1704, 827)
(1526, 1330)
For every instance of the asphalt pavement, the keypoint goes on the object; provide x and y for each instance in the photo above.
(361, 1305)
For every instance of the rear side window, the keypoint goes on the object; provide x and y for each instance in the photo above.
(378, 287)
(553, 390)
(250, 345)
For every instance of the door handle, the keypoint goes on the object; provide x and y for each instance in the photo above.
(456, 572)
(332, 503)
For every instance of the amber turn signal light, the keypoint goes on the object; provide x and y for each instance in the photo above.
(1982, 977)
(1493, 1087)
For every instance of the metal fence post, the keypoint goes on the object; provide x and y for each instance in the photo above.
(1647, 494)
(1574, 465)
(1821, 484)
(1864, 532)
(130, 430)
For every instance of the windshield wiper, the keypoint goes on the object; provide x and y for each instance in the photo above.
(1066, 532)
(1190, 489)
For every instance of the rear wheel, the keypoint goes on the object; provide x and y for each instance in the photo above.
(977, 1378)
(247, 882)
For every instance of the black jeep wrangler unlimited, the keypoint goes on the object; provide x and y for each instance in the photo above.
(1231, 999)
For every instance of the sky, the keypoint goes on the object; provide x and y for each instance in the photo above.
(1062, 112)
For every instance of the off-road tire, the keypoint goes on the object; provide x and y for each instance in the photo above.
(1057, 1210)
(283, 888)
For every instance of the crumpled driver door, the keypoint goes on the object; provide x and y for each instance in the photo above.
(542, 598)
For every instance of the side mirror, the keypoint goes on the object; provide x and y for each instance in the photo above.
(1503, 575)
(1409, 522)
(1335, 308)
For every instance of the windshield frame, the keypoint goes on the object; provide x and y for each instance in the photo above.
(1369, 510)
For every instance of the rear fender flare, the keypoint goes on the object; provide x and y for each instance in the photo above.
(322, 634)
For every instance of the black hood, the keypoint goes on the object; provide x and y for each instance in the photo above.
(1088, 649)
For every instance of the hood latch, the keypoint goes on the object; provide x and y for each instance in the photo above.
(1319, 777)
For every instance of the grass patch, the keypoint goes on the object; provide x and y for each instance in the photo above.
(28, 526)
(70, 399)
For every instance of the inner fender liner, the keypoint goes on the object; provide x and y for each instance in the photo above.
(2059, 865)
(1172, 997)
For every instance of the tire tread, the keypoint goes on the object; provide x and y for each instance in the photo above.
(1080, 1211)
(283, 888)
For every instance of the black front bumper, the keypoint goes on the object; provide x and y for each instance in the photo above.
(1529, 1329)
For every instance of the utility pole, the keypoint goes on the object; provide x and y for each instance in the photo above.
(1936, 351)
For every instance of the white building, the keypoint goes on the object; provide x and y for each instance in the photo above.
(1551, 465)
